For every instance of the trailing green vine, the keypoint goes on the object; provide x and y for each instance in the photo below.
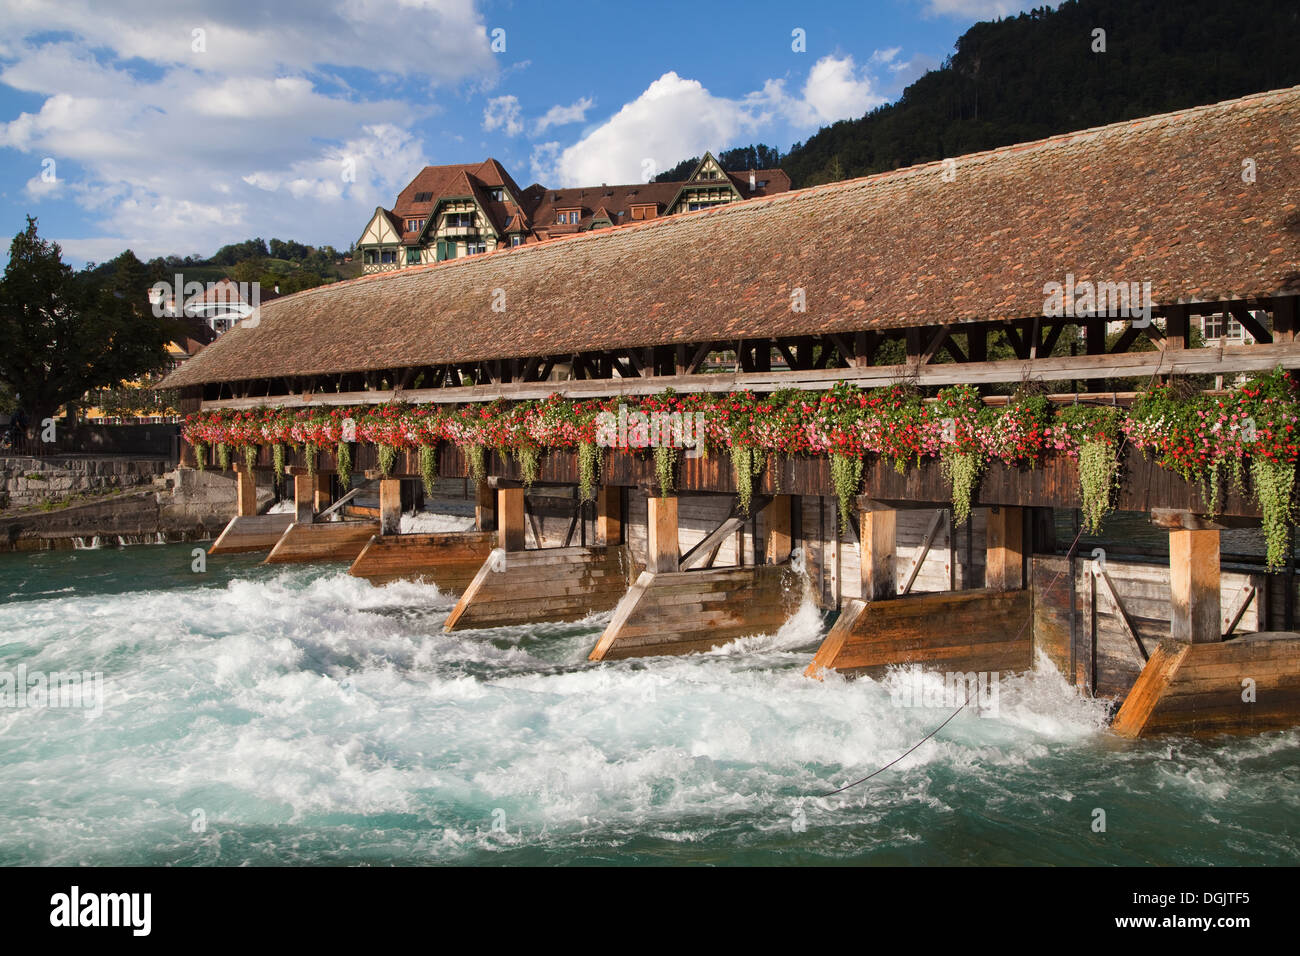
(588, 470)
(250, 457)
(429, 468)
(201, 455)
(477, 461)
(277, 460)
(846, 476)
(665, 459)
(1274, 483)
(223, 456)
(530, 463)
(963, 470)
(387, 456)
(343, 464)
(309, 452)
(746, 464)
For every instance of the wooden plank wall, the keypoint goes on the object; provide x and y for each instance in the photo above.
(1105, 660)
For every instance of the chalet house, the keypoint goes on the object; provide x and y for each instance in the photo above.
(448, 212)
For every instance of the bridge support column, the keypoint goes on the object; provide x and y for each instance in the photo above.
(245, 491)
(780, 537)
(1194, 582)
(1004, 567)
(663, 552)
(510, 519)
(485, 507)
(322, 492)
(304, 498)
(609, 515)
(390, 505)
(878, 530)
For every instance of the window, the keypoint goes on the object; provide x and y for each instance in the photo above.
(388, 255)
(1214, 327)
(475, 248)
(423, 197)
(516, 241)
(460, 220)
(415, 225)
(412, 256)
(498, 194)
(643, 212)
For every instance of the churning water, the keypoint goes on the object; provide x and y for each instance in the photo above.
(254, 714)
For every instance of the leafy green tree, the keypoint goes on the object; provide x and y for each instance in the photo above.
(64, 333)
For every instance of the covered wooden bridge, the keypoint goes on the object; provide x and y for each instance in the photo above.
(1080, 267)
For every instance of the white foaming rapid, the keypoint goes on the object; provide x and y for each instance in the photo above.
(427, 522)
(312, 717)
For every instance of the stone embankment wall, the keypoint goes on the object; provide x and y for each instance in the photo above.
(136, 506)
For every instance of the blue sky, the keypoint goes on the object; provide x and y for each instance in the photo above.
(177, 128)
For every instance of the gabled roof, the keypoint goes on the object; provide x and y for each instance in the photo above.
(1157, 200)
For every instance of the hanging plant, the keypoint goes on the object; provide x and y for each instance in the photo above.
(746, 463)
(530, 463)
(1095, 430)
(1098, 473)
(387, 458)
(223, 456)
(250, 458)
(665, 459)
(1274, 482)
(429, 468)
(201, 455)
(277, 460)
(343, 464)
(588, 470)
(310, 451)
(477, 463)
(963, 470)
(846, 476)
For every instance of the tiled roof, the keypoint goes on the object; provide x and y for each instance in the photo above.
(1160, 199)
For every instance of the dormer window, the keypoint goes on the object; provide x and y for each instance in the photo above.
(569, 217)
(498, 194)
(423, 197)
(516, 241)
(415, 225)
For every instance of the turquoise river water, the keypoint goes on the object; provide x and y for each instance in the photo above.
(254, 714)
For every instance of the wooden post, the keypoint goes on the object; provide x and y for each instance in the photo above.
(779, 539)
(1004, 562)
(609, 515)
(390, 505)
(322, 492)
(510, 519)
(485, 507)
(304, 495)
(245, 491)
(1194, 581)
(878, 539)
(663, 553)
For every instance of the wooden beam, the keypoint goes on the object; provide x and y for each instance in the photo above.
(609, 515)
(245, 490)
(485, 507)
(390, 505)
(304, 498)
(1251, 324)
(878, 541)
(663, 553)
(510, 519)
(1004, 561)
(1194, 585)
(779, 540)
(1134, 365)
